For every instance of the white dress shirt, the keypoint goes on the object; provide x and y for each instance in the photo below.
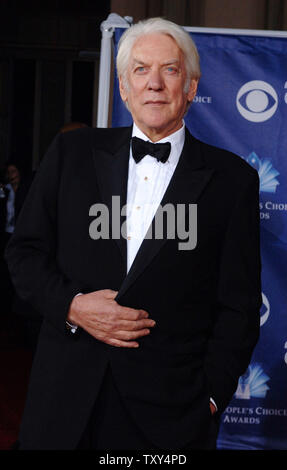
(147, 183)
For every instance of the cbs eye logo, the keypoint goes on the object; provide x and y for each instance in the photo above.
(257, 101)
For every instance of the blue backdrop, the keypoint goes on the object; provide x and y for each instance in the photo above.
(241, 106)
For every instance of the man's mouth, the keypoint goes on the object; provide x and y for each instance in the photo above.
(158, 102)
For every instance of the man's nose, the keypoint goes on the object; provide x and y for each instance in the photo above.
(155, 80)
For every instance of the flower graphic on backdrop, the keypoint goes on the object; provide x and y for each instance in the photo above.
(252, 383)
(267, 174)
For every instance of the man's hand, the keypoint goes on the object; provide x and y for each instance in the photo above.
(102, 317)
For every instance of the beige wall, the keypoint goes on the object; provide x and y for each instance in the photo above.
(246, 14)
(235, 13)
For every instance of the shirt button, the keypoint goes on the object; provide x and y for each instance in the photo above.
(138, 207)
(129, 238)
(145, 178)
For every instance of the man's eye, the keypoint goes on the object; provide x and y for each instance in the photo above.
(172, 69)
(140, 69)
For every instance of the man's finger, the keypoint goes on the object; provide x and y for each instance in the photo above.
(130, 335)
(123, 344)
(127, 313)
(123, 325)
(112, 341)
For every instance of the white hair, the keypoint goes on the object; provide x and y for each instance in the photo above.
(158, 26)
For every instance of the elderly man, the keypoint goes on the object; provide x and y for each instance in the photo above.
(144, 336)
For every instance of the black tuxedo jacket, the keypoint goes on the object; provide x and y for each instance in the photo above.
(205, 301)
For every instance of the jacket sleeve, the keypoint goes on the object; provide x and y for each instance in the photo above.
(31, 252)
(239, 298)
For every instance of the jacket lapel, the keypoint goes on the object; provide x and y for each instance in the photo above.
(186, 185)
(111, 164)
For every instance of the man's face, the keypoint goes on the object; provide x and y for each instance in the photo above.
(156, 79)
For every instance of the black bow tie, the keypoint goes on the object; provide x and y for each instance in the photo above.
(140, 148)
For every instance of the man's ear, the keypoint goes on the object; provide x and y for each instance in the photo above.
(123, 91)
(192, 89)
